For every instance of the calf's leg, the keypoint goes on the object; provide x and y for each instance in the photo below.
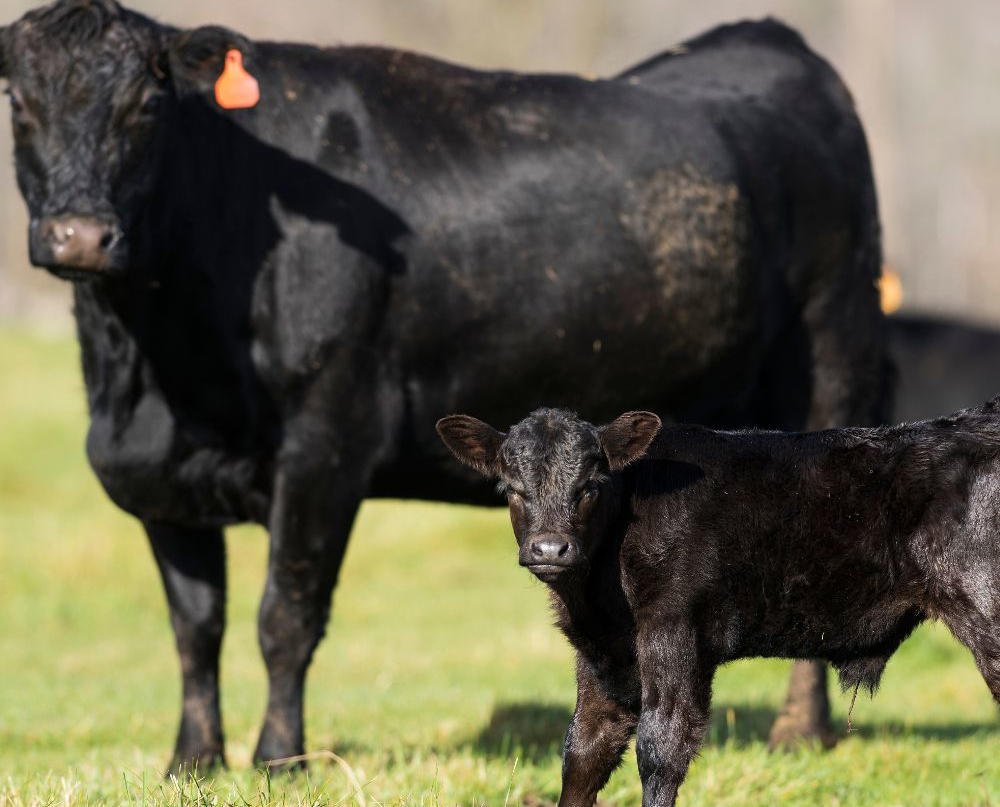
(676, 696)
(595, 741)
(192, 564)
(982, 636)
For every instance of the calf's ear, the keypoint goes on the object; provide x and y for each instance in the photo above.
(195, 58)
(475, 443)
(626, 439)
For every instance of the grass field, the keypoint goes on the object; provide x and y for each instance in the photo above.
(441, 681)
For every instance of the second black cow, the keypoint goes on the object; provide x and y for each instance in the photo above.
(275, 304)
(668, 557)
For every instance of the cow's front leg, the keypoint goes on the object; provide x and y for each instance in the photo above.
(595, 741)
(676, 696)
(310, 525)
(192, 564)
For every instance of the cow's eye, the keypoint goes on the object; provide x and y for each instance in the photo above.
(589, 491)
(16, 104)
(152, 104)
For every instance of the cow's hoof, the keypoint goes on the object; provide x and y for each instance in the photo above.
(274, 758)
(789, 733)
(291, 763)
(197, 764)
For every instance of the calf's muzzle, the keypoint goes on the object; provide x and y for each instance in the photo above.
(548, 555)
(70, 241)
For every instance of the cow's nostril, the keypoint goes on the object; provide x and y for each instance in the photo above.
(537, 549)
(564, 548)
(108, 239)
(61, 233)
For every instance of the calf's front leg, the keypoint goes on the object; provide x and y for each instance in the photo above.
(595, 741)
(192, 564)
(676, 696)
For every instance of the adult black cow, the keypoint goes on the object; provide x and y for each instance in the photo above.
(276, 304)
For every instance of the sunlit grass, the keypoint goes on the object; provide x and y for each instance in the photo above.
(441, 681)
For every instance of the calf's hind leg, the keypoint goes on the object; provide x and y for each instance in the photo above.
(982, 637)
(192, 565)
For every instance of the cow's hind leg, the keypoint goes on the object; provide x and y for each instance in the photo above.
(850, 383)
(192, 564)
(805, 716)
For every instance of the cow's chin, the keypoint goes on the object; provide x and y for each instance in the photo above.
(75, 274)
(112, 267)
(552, 573)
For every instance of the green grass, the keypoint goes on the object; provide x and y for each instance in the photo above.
(441, 681)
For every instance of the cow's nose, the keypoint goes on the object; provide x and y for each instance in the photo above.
(80, 242)
(554, 550)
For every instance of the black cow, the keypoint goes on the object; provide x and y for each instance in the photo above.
(275, 304)
(941, 364)
(668, 557)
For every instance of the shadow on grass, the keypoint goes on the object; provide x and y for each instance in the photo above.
(535, 731)
(739, 724)
(532, 731)
(947, 731)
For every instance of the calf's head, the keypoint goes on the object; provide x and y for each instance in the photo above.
(94, 90)
(559, 474)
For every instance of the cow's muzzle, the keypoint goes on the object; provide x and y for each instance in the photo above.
(548, 556)
(74, 245)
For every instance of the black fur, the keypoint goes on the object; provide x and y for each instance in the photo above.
(719, 545)
(289, 296)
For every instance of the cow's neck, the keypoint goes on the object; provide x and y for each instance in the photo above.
(177, 320)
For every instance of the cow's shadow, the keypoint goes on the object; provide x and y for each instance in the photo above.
(739, 724)
(534, 731)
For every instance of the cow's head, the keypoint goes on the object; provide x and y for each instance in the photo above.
(93, 91)
(559, 475)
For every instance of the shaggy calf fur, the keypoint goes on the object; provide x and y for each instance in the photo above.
(669, 555)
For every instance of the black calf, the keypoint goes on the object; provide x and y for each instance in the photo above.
(681, 552)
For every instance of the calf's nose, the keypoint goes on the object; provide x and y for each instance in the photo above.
(553, 550)
(81, 242)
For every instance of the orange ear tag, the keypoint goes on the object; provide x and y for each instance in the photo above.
(236, 88)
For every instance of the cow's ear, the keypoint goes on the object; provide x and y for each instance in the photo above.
(195, 58)
(626, 439)
(475, 443)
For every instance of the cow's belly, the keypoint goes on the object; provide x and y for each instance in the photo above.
(650, 293)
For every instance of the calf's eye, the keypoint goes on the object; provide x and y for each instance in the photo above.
(588, 493)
